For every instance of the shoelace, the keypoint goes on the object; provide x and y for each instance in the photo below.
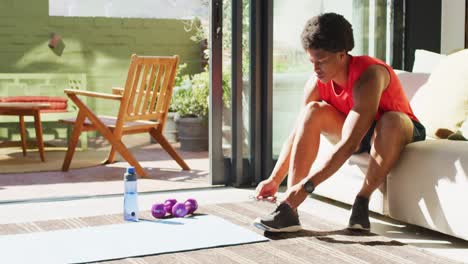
(274, 201)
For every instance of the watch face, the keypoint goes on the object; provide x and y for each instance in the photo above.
(309, 187)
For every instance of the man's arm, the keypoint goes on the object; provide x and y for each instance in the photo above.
(366, 95)
(280, 170)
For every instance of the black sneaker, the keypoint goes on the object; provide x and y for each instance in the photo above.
(359, 219)
(283, 219)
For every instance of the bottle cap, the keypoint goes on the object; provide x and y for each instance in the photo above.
(130, 174)
(131, 170)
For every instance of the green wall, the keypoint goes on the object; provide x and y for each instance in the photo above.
(99, 47)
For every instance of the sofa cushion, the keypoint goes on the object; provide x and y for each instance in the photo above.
(427, 187)
(443, 101)
(464, 128)
(426, 61)
(411, 82)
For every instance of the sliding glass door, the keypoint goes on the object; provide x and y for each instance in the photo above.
(291, 68)
(262, 70)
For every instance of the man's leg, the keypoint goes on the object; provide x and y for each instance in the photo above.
(333, 135)
(317, 118)
(392, 133)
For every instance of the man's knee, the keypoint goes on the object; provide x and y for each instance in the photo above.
(312, 112)
(393, 121)
(394, 124)
(313, 108)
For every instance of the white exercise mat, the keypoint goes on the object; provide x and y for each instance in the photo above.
(123, 240)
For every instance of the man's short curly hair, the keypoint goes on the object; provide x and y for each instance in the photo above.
(329, 31)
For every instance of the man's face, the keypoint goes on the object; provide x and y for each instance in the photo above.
(326, 64)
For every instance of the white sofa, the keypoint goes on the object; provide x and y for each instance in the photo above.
(428, 186)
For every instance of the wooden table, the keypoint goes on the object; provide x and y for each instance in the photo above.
(27, 109)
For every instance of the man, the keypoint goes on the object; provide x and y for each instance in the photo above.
(358, 103)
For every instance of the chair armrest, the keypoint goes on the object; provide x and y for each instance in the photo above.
(93, 94)
(117, 90)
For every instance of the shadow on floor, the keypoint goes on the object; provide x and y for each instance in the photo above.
(163, 174)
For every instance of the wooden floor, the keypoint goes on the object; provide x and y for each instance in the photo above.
(321, 241)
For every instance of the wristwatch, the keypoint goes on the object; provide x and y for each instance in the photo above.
(309, 187)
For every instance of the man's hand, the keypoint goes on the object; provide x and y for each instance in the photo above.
(266, 190)
(295, 195)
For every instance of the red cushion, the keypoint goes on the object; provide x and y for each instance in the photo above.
(53, 110)
(55, 107)
(57, 104)
(33, 99)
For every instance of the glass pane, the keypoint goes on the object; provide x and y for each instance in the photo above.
(93, 54)
(246, 87)
(227, 70)
(291, 68)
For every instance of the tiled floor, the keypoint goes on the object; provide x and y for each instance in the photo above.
(59, 195)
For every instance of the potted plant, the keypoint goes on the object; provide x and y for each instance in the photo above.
(190, 100)
(170, 129)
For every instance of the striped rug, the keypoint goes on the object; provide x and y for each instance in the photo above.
(321, 241)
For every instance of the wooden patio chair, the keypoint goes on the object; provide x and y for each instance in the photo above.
(144, 104)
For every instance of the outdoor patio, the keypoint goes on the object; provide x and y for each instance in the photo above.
(95, 180)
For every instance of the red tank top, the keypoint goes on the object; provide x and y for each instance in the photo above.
(393, 98)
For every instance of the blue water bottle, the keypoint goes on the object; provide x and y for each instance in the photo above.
(130, 195)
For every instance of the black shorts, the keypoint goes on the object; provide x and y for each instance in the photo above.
(419, 134)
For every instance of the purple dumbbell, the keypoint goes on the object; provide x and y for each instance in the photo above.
(179, 210)
(191, 205)
(168, 204)
(158, 210)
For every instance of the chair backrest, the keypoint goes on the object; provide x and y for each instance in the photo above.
(148, 89)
